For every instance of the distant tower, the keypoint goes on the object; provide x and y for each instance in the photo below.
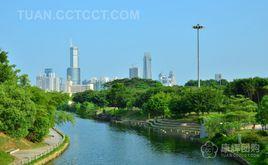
(147, 66)
(133, 72)
(218, 77)
(48, 71)
(73, 72)
(172, 78)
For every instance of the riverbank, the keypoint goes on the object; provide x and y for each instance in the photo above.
(175, 128)
(52, 155)
(55, 143)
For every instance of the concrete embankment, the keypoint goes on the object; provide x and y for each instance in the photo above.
(54, 154)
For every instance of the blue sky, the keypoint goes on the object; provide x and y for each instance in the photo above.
(233, 43)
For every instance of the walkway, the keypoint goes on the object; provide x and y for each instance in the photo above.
(53, 139)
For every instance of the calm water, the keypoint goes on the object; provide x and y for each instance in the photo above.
(94, 142)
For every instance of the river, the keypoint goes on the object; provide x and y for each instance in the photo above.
(94, 142)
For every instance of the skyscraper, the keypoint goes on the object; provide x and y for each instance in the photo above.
(147, 67)
(169, 80)
(48, 81)
(133, 72)
(73, 72)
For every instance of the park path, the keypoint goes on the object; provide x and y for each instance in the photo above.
(53, 140)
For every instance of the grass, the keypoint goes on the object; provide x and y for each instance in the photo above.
(5, 158)
(8, 143)
(263, 140)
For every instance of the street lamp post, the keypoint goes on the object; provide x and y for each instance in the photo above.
(198, 27)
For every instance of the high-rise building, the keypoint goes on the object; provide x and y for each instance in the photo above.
(73, 72)
(147, 66)
(133, 72)
(218, 77)
(172, 78)
(169, 80)
(98, 83)
(48, 81)
(48, 71)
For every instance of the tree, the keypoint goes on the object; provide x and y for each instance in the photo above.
(17, 110)
(26, 111)
(118, 96)
(262, 114)
(176, 106)
(24, 80)
(134, 83)
(63, 117)
(207, 83)
(252, 88)
(7, 71)
(201, 100)
(240, 103)
(158, 105)
(96, 97)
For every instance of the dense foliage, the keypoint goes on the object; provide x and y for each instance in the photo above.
(252, 88)
(262, 115)
(209, 83)
(135, 83)
(172, 102)
(26, 111)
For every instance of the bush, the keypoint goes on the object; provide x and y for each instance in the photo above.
(262, 133)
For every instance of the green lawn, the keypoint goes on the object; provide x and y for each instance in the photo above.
(5, 158)
(7, 143)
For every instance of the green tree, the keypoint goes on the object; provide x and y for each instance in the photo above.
(207, 83)
(24, 80)
(118, 96)
(262, 114)
(253, 88)
(176, 106)
(7, 71)
(17, 111)
(134, 83)
(25, 111)
(240, 103)
(158, 105)
(201, 100)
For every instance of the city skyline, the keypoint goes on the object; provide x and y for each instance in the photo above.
(109, 48)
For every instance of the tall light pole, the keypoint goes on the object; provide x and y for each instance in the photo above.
(198, 27)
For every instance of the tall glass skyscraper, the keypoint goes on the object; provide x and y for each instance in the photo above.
(147, 67)
(73, 72)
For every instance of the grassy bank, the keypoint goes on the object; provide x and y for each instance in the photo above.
(53, 154)
(5, 158)
(8, 144)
